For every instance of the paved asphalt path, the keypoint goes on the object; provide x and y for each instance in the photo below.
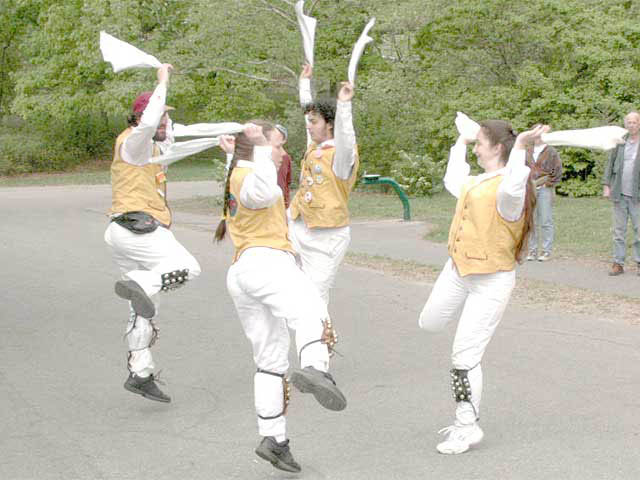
(561, 397)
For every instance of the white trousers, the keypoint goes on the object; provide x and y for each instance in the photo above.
(479, 301)
(143, 259)
(271, 293)
(321, 251)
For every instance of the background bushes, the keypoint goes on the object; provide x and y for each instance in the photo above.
(569, 63)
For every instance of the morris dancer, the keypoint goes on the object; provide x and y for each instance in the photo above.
(319, 213)
(149, 256)
(271, 293)
(488, 235)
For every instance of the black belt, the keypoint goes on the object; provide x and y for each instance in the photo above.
(137, 222)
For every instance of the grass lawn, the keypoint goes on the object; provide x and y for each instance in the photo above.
(98, 173)
(583, 226)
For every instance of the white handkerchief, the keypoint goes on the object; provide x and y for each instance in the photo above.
(122, 55)
(308, 31)
(467, 128)
(358, 48)
(206, 129)
(179, 150)
(601, 138)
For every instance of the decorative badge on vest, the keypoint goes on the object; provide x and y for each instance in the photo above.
(233, 205)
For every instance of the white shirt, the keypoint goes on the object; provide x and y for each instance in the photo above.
(260, 187)
(344, 134)
(512, 189)
(537, 150)
(137, 148)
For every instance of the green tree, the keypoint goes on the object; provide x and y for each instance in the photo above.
(568, 63)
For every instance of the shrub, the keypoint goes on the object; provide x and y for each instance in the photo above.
(21, 154)
(419, 174)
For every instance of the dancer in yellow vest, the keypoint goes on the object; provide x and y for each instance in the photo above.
(319, 213)
(148, 255)
(488, 235)
(271, 294)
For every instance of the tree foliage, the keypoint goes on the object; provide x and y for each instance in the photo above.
(569, 63)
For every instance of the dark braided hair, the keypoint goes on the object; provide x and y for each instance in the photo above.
(222, 226)
(500, 132)
(243, 151)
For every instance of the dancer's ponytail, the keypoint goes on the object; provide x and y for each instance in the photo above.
(222, 226)
(529, 207)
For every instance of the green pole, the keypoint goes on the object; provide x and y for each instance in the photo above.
(378, 180)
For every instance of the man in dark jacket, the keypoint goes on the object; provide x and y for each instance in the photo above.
(621, 183)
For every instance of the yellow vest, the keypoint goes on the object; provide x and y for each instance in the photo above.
(480, 240)
(137, 188)
(264, 227)
(322, 198)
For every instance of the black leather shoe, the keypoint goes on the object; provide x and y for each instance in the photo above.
(140, 301)
(616, 269)
(321, 385)
(146, 386)
(278, 454)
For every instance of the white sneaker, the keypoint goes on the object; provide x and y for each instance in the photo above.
(544, 257)
(459, 438)
(532, 257)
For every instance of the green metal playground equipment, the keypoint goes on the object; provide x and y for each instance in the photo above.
(371, 179)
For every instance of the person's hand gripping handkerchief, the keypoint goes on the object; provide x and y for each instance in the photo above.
(358, 48)
(308, 31)
(467, 128)
(122, 55)
(601, 138)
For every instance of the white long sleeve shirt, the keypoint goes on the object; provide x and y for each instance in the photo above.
(260, 187)
(512, 190)
(137, 149)
(344, 134)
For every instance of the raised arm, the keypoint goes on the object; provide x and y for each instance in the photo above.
(137, 148)
(305, 85)
(305, 92)
(228, 146)
(457, 169)
(344, 133)
(512, 190)
(260, 187)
